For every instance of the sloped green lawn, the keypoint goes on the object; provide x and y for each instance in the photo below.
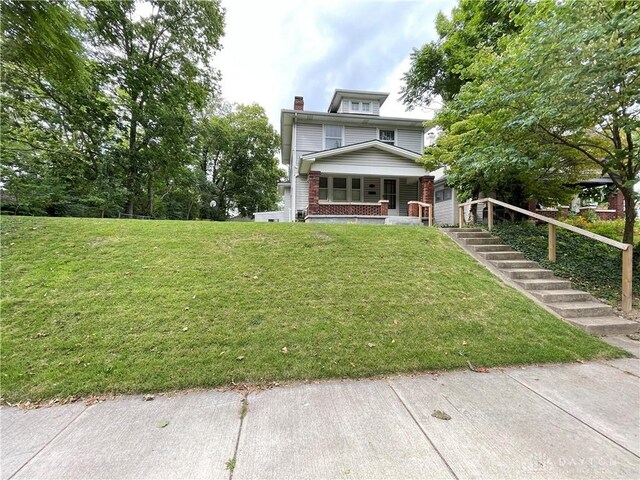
(95, 306)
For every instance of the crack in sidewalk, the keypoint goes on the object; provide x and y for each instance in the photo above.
(72, 421)
(244, 409)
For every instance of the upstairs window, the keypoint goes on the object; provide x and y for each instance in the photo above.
(359, 107)
(332, 136)
(387, 136)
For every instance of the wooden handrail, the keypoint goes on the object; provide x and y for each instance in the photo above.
(553, 221)
(627, 249)
(422, 205)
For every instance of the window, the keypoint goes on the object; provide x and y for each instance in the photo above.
(387, 136)
(356, 190)
(332, 136)
(443, 195)
(324, 188)
(340, 189)
(357, 107)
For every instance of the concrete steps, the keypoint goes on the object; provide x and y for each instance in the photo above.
(512, 255)
(576, 307)
(582, 308)
(528, 273)
(491, 248)
(558, 296)
(544, 284)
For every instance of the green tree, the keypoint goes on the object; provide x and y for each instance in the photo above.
(237, 164)
(568, 82)
(158, 73)
(43, 34)
(438, 68)
(119, 132)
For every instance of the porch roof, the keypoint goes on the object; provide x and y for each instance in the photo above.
(404, 168)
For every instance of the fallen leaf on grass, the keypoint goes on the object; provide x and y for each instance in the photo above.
(40, 335)
(161, 423)
(440, 415)
(184, 329)
(371, 345)
(284, 350)
(148, 398)
(240, 358)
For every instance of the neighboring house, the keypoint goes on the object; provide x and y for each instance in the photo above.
(352, 165)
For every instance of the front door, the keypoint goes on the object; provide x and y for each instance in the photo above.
(390, 192)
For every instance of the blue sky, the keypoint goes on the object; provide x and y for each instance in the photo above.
(275, 50)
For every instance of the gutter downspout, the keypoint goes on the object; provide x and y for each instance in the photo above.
(293, 161)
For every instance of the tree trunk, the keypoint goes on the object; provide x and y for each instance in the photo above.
(150, 194)
(132, 170)
(629, 215)
(473, 209)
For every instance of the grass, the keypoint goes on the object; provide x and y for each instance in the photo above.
(93, 306)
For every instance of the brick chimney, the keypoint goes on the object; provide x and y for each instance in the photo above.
(298, 103)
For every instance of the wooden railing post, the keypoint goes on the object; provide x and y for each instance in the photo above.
(627, 268)
(490, 214)
(552, 242)
(460, 216)
(430, 215)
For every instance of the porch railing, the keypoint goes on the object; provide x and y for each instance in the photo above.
(627, 249)
(420, 213)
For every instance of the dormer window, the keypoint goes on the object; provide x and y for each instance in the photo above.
(387, 136)
(359, 107)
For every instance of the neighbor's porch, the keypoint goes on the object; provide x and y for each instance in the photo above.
(368, 199)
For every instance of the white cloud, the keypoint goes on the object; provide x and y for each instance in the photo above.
(275, 50)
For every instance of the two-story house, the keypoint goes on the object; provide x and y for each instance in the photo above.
(349, 164)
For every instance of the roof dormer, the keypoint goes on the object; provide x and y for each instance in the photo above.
(357, 102)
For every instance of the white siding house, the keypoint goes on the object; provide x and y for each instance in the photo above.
(350, 162)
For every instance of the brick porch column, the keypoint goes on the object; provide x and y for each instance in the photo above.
(616, 202)
(314, 192)
(531, 206)
(426, 189)
(384, 207)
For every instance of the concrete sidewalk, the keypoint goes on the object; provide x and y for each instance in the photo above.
(562, 421)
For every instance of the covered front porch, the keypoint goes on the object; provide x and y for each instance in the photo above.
(368, 199)
(367, 182)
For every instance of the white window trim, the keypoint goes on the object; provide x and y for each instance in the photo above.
(324, 134)
(395, 135)
(349, 198)
(360, 110)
